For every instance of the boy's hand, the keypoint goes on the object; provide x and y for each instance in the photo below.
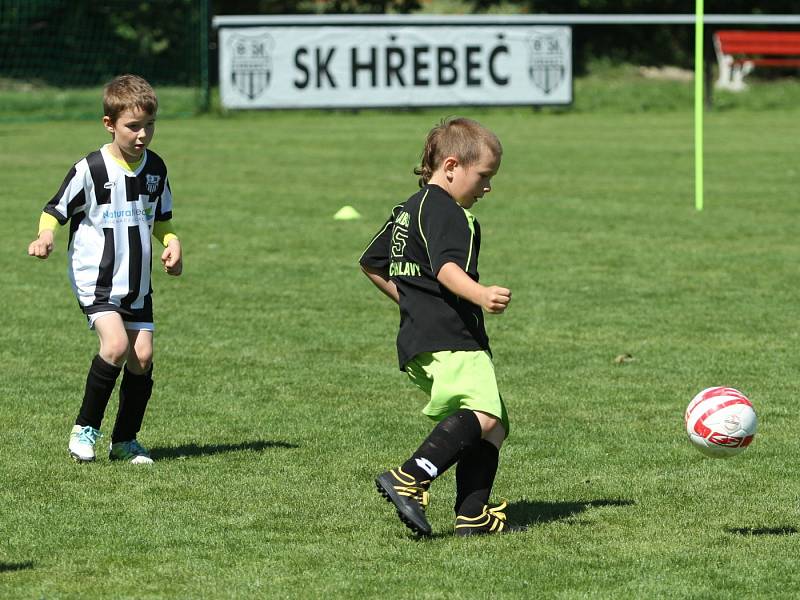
(171, 258)
(42, 246)
(491, 298)
(495, 299)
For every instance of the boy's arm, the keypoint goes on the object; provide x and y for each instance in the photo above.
(493, 299)
(380, 278)
(164, 232)
(69, 200)
(42, 246)
(375, 259)
(172, 257)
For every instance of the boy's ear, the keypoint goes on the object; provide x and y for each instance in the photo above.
(449, 164)
(108, 124)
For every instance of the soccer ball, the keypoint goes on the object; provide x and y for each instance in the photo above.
(720, 422)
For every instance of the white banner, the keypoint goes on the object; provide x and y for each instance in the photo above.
(390, 66)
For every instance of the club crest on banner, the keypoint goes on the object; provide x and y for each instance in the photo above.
(251, 64)
(151, 182)
(547, 68)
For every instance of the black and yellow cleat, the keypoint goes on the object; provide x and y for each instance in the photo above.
(491, 520)
(409, 496)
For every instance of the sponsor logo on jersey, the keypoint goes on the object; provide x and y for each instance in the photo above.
(129, 215)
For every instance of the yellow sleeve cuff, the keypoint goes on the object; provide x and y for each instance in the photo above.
(47, 222)
(163, 232)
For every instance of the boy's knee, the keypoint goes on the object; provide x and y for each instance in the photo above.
(497, 435)
(139, 359)
(492, 429)
(140, 352)
(114, 350)
(139, 365)
(488, 422)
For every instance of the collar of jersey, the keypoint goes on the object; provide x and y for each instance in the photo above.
(470, 216)
(131, 167)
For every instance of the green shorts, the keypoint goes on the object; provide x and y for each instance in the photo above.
(455, 380)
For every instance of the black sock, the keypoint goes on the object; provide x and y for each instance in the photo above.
(475, 474)
(442, 447)
(99, 384)
(134, 392)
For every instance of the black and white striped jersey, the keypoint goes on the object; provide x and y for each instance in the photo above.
(111, 212)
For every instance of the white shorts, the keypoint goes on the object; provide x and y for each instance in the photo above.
(132, 325)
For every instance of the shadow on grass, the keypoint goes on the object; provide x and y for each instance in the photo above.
(193, 450)
(786, 530)
(20, 566)
(527, 513)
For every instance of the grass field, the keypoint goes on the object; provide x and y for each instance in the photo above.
(278, 399)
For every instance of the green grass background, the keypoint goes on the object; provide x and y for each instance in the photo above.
(277, 396)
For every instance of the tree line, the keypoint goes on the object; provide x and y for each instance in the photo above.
(640, 44)
(83, 42)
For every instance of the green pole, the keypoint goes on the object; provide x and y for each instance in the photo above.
(698, 105)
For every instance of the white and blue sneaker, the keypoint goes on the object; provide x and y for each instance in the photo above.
(82, 441)
(132, 452)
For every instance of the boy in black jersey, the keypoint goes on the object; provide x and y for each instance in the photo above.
(425, 258)
(115, 200)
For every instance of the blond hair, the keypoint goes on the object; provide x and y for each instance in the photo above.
(128, 92)
(459, 137)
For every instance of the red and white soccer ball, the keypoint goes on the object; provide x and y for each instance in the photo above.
(720, 422)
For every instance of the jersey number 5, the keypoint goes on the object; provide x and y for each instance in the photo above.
(399, 237)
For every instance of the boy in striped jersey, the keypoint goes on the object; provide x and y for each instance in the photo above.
(425, 258)
(115, 199)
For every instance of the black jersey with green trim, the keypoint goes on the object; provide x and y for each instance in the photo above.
(423, 234)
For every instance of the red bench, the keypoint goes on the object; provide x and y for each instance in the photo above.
(739, 52)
